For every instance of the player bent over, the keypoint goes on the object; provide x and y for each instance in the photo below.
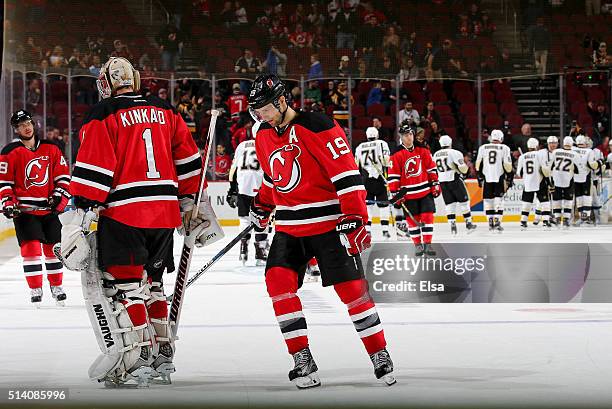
(535, 173)
(564, 167)
(311, 179)
(413, 181)
(245, 179)
(34, 183)
(493, 163)
(137, 158)
(452, 170)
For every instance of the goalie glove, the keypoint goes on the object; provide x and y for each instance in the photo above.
(353, 234)
(205, 226)
(74, 248)
(58, 200)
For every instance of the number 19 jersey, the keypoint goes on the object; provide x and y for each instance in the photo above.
(248, 171)
(137, 155)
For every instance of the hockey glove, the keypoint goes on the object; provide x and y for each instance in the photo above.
(232, 195)
(10, 209)
(74, 249)
(397, 198)
(550, 184)
(436, 190)
(353, 234)
(204, 226)
(480, 179)
(58, 200)
(509, 180)
(259, 214)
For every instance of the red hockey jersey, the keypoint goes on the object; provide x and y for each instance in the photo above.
(414, 170)
(136, 156)
(29, 176)
(310, 175)
(236, 104)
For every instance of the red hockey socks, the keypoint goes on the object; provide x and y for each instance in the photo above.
(427, 220)
(32, 264)
(362, 311)
(128, 279)
(52, 265)
(282, 285)
(414, 230)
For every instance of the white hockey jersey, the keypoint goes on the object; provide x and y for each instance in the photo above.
(249, 174)
(529, 167)
(598, 155)
(493, 156)
(545, 157)
(371, 155)
(564, 164)
(448, 161)
(585, 156)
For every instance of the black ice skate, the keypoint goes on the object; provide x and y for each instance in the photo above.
(383, 366)
(386, 234)
(260, 253)
(523, 225)
(453, 227)
(58, 294)
(304, 375)
(498, 226)
(470, 227)
(36, 296)
(566, 223)
(491, 224)
(428, 250)
(546, 224)
(419, 250)
(244, 251)
(163, 366)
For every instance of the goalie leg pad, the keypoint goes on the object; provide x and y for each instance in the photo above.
(163, 342)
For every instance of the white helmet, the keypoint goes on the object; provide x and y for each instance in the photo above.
(580, 140)
(568, 141)
(446, 141)
(589, 142)
(372, 133)
(552, 139)
(533, 143)
(497, 135)
(117, 73)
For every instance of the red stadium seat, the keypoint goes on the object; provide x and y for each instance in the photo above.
(376, 110)
(362, 122)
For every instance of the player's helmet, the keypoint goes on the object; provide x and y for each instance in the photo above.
(532, 143)
(19, 117)
(446, 141)
(568, 141)
(406, 127)
(266, 89)
(117, 73)
(552, 139)
(372, 133)
(497, 135)
(580, 140)
(589, 142)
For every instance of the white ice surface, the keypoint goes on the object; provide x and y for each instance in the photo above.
(231, 351)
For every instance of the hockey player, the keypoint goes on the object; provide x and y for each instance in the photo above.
(373, 158)
(413, 181)
(597, 179)
(311, 178)
(245, 180)
(564, 166)
(534, 172)
(139, 166)
(452, 170)
(34, 183)
(582, 179)
(494, 167)
(547, 187)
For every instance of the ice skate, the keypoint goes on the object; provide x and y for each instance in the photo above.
(491, 224)
(163, 366)
(429, 251)
(386, 234)
(546, 224)
(58, 294)
(36, 296)
(566, 224)
(383, 366)
(244, 251)
(523, 226)
(312, 273)
(419, 250)
(453, 227)
(470, 227)
(260, 254)
(139, 376)
(304, 375)
(498, 226)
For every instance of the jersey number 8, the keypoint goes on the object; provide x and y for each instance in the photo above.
(3, 168)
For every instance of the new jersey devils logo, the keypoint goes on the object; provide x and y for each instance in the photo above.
(286, 171)
(37, 172)
(412, 167)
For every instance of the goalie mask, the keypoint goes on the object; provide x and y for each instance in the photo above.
(117, 73)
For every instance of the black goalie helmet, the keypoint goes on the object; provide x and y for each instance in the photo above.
(266, 89)
(407, 127)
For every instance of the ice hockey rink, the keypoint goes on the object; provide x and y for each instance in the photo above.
(231, 351)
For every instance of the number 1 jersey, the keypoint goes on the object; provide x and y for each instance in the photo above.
(136, 156)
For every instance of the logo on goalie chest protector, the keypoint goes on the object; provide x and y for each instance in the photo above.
(285, 168)
(103, 323)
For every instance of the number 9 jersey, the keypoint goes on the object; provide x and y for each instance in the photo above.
(136, 156)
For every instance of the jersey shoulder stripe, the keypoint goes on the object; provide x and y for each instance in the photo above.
(10, 147)
(315, 122)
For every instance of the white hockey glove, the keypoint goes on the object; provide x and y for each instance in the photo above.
(205, 226)
(74, 248)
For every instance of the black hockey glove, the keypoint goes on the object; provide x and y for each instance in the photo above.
(510, 179)
(232, 195)
(480, 179)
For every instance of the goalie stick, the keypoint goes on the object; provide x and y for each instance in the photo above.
(189, 241)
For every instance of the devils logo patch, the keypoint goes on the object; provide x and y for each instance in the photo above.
(37, 172)
(285, 168)
(412, 167)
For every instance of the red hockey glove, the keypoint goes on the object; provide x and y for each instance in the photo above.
(259, 214)
(9, 208)
(436, 190)
(353, 234)
(58, 200)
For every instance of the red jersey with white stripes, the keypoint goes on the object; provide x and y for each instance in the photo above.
(29, 176)
(137, 155)
(237, 103)
(310, 175)
(414, 170)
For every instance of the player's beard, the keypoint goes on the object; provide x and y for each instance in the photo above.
(25, 137)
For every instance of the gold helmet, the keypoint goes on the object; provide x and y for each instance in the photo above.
(117, 73)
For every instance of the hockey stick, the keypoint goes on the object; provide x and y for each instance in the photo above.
(189, 241)
(408, 212)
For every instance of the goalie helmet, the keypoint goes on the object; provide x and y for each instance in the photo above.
(446, 141)
(533, 143)
(552, 139)
(497, 136)
(580, 140)
(568, 141)
(117, 73)
(372, 133)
